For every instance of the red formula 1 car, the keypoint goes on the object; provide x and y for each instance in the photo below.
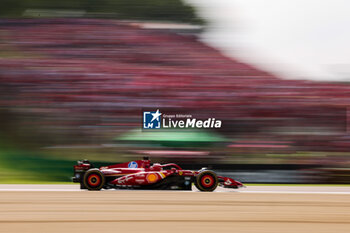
(140, 174)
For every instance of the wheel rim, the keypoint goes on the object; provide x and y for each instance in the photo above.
(94, 180)
(207, 181)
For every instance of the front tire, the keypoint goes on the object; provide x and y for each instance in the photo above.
(206, 181)
(94, 179)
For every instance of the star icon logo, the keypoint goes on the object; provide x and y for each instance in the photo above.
(152, 119)
(156, 115)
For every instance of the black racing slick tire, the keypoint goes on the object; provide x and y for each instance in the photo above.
(94, 179)
(206, 181)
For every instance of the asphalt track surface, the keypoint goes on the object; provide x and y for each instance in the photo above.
(270, 209)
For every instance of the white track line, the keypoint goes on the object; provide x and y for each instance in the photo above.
(261, 192)
(39, 190)
(294, 192)
(253, 189)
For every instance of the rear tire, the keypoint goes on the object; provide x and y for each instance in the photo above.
(94, 179)
(206, 181)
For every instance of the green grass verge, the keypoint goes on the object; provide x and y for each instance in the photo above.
(35, 182)
(27, 167)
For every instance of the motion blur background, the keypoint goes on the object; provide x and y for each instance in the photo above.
(75, 76)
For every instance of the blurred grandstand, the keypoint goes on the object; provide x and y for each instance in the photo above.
(71, 86)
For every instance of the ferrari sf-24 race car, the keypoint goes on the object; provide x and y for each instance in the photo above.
(140, 174)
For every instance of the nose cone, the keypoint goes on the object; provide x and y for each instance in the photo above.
(231, 183)
(239, 184)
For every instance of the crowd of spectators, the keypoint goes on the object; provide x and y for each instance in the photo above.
(90, 79)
